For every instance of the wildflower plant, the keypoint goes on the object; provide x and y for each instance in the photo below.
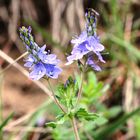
(43, 64)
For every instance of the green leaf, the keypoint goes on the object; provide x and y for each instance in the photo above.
(51, 124)
(6, 121)
(101, 120)
(67, 92)
(113, 111)
(137, 125)
(82, 113)
(60, 119)
(92, 90)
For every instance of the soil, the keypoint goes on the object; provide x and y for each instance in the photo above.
(19, 94)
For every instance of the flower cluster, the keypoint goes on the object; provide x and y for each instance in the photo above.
(87, 44)
(40, 62)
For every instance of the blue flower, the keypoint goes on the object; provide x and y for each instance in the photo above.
(94, 44)
(78, 40)
(52, 71)
(77, 53)
(30, 61)
(92, 64)
(39, 61)
(83, 45)
(38, 71)
(87, 44)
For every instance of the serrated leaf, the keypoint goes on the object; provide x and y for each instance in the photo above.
(82, 113)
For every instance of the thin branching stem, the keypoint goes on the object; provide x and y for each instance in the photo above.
(80, 88)
(81, 84)
(55, 99)
(75, 129)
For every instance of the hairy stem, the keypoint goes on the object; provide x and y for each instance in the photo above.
(75, 129)
(55, 99)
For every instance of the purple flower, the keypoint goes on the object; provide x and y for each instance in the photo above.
(52, 71)
(50, 59)
(39, 61)
(77, 53)
(94, 44)
(30, 61)
(92, 64)
(46, 65)
(38, 71)
(87, 44)
(83, 45)
(45, 57)
(78, 40)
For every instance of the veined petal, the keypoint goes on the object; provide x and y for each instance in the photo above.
(77, 53)
(38, 71)
(80, 39)
(50, 59)
(28, 64)
(52, 71)
(94, 44)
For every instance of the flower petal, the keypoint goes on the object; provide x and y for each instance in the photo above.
(38, 71)
(52, 71)
(94, 44)
(92, 64)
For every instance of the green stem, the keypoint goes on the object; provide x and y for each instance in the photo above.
(81, 84)
(80, 88)
(75, 129)
(55, 99)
